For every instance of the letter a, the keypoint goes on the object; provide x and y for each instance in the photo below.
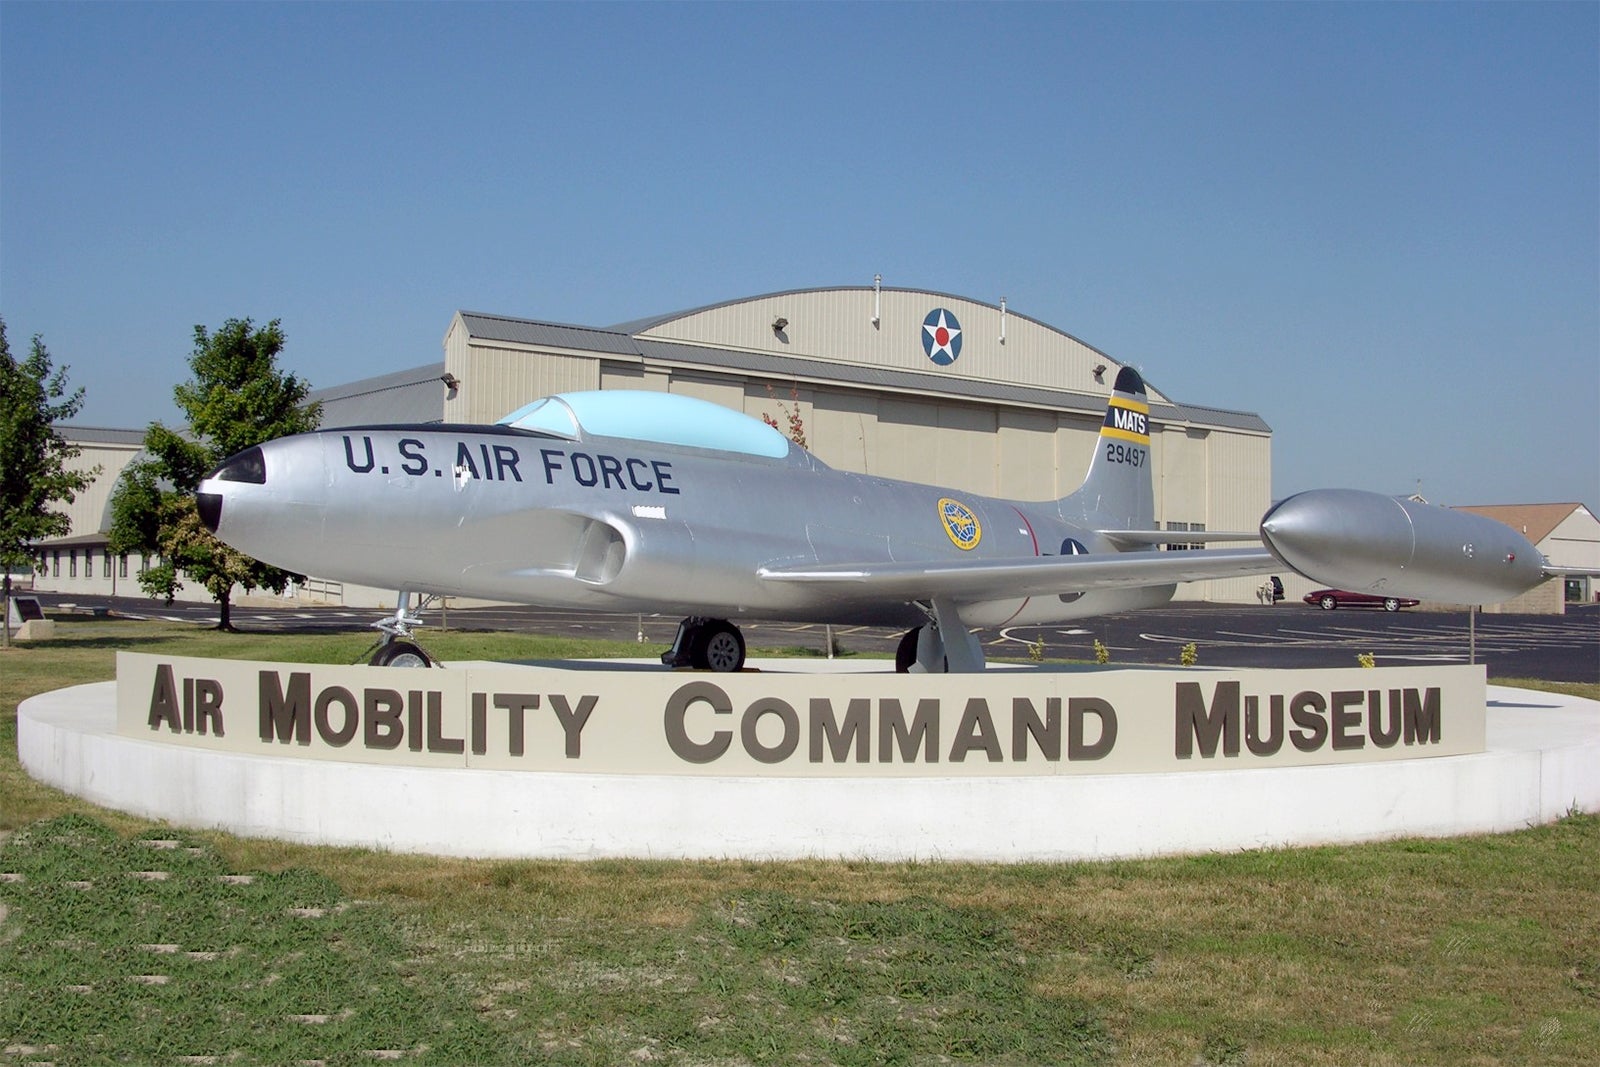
(164, 701)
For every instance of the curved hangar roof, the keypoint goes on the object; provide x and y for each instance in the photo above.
(899, 328)
(909, 340)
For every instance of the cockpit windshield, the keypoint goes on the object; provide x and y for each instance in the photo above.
(665, 418)
(548, 414)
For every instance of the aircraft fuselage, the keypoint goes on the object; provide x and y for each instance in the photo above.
(616, 524)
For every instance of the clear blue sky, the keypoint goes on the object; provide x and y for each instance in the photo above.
(1376, 225)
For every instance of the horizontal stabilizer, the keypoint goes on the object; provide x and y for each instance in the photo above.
(1125, 539)
(1570, 572)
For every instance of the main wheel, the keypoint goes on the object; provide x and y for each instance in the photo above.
(719, 647)
(1391, 604)
(400, 654)
(905, 654)
(1327, 603)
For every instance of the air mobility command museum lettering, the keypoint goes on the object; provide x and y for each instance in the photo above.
(998, 723)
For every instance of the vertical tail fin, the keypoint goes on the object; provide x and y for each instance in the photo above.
(1119, 492)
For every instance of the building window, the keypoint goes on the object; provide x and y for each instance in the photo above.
(122, 565)
(72, 563)
(55, 563)
(105, 568)
(1179, 546)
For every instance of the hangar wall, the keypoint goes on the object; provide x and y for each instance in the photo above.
(110, 451)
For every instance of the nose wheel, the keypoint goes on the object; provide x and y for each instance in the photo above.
(400, 654)
(706, 645)
(396, 648)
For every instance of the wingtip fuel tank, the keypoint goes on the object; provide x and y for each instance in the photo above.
(1370, 543)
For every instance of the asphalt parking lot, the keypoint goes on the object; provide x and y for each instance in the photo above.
(1550, 647)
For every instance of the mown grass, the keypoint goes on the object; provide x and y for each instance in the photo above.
(1464, 951)
(145, 950)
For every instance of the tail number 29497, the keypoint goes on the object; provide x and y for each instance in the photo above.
(1119, 453)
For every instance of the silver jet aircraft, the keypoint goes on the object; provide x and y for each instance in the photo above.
(637, 502)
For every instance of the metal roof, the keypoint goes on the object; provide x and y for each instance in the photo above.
(99, 435)
(73, 541)
(1535, 521)
(548, 334)
(638, 326)
(408, 396)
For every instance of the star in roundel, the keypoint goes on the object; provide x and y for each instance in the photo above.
(941, 337)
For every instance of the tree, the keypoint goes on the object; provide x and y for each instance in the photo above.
(33, 457)
(797, 426)
(237, 398)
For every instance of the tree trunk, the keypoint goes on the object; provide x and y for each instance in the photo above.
(5, 606)
(225, 623)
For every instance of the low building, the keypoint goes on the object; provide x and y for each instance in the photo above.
(1568, 535)
(80, 562)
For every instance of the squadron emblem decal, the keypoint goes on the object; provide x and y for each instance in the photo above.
(941, 337)
(960, 523)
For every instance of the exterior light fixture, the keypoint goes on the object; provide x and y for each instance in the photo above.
(1100, 373)
(779, 324)
(451, 382)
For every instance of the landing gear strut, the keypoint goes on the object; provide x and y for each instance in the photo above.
(706, 645)
(396, 647)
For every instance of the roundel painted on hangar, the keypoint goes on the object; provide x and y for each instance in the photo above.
(941, 337)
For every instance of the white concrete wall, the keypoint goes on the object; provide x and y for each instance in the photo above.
(1543, 760)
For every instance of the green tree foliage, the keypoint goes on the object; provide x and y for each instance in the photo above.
(237, 398)
(33, 456)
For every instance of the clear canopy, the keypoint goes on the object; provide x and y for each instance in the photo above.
(664, 418)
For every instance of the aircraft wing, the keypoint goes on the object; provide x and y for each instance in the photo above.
(997, 579)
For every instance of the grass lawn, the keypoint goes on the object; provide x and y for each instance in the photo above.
(123, 940)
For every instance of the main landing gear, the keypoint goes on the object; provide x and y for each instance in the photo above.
(706, 645)
(396, 648)
(944, 646)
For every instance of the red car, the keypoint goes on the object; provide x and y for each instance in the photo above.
(1328, 599)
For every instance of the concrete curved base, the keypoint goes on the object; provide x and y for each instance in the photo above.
(1543, 760)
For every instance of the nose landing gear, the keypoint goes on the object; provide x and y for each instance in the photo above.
(396, 647)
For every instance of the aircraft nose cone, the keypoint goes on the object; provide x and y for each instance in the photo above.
(210, 505)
